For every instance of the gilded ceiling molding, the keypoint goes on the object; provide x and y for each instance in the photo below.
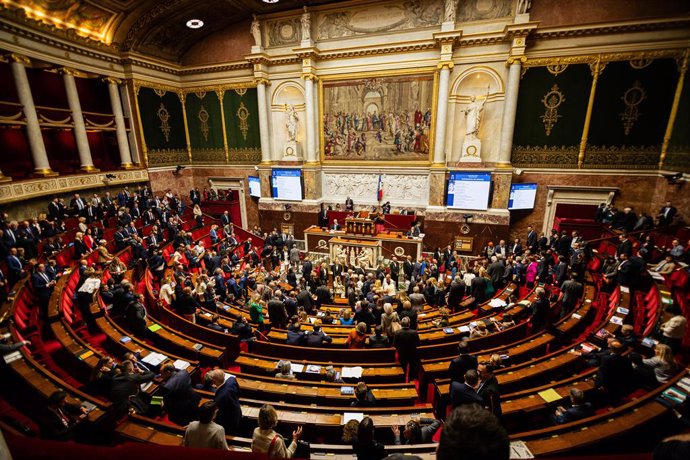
(620, 27)
(155, 86)
(603, 57)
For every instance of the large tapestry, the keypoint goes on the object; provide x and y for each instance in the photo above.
(381, 119)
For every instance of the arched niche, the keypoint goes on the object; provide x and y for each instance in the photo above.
(480, 82)
(285, 94)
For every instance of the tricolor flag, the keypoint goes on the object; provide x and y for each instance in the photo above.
(379, 191)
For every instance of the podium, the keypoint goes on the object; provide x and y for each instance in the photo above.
(360, 226)
(354, 252)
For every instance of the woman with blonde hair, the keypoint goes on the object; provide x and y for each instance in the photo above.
(338, 288)
(663, 363)
(266, 441)
(104, 256)
(198, 215)
(388, 317)
(167, 292)
(82, 224)
(479, 330)
(117, 269)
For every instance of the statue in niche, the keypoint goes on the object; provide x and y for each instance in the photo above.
(256, 31)
(291, 123)
(523, 6)
(450, 8)
(473, 114)
(306, 25)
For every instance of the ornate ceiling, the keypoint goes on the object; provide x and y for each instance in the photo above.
(153, 27)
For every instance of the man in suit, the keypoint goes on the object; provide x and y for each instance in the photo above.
(615, 373)
(317, 336)
(125, 391)
(135, 315)
(516, 250)
(496, 270)
(335, 225)
(337, 269)
(455, 293)
(306, 268)
(408, 267)
(225, 218)
(466, 392)
(15, 267)
(78, 205)
(463, 363)
(666, 214)
(571, 292)
(578, 410)
(60, 419)
(628, 271)
(394, 267)
(406, 341)
(227, 398)
(43, 287)
(415, 231)
(179, 397)
(386, 207)
(531, 239)
(489, 389)
(304, 300)
(54, 209)
(276, 311)
(539, 310)
(10, 237)
(624, 246)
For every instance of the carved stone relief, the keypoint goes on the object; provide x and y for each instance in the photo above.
(282, 32)
(399, 189)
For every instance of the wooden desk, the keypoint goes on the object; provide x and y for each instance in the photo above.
(392, 244)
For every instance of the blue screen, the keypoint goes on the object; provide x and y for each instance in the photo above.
(469, 190)
(287, 184)
(254, 186)
(522, 196)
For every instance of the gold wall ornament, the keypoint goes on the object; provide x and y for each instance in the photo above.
(632, 97)
(551, 100)
(203, 117)
(160, 92)
(241, 91)
(243, 115)
(200, 94)
(556, 69)
(164, 116)
(640, 63)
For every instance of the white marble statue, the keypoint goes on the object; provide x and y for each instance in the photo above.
(523, 6)
(450, 8)
(256, 31)
(473, 114)
(306, 25)
(291, 123)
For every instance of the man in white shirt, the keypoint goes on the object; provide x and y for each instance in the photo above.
(388, 286)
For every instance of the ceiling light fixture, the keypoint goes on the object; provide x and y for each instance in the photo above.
(270, 1)
(195, 23)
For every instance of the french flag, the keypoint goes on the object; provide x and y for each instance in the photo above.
(379, 191)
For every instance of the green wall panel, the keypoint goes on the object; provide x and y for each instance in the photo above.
(242, 124)
(154, 108)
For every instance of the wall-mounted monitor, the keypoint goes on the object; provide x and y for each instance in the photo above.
(469, 190)
(286, 184)
(254, 186)
(522, 196)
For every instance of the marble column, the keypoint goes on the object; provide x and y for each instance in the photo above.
(509, 111)
(317, 130)
(120, 127)
(309, 102)
(33, 128)
(441, 113)
(78, 117)
(263, 121)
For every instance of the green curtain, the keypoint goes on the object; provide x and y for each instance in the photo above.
(155, 111)
(242, 124)
(552, 104)
(205, 127)
(678, 154)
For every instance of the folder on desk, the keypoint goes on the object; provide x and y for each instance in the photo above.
(352, 372)
(550, 395)
(84, 354)
(314, 369)
(295, 367)
(155, 327)
(181, 364)
(125, 339)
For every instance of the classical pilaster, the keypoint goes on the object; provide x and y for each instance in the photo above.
(33, 129)
(683, 68)
(309, 102)
(261, 84)
(442, 112)
(509, 111)
(183, 100)
(78, 118)
(120, 128)
(596, 68)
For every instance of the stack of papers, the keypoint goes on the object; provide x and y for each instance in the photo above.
(347, 390)
(625, 290)
(125, 339)
(296, 367)
(550, 395)
(12, 357)
(181, 364)
(154, 358)
(622, 310)
(519, 450)
(347, 416)
(314, 369)
(464, 329)
(497, 303)
(352, 372)
(617, 320)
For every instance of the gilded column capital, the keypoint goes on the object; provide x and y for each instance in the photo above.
(513, 59)
(262, 81)
(113, 80)
(310, 76)
(20, 58)
(68, 71)
(445, 65)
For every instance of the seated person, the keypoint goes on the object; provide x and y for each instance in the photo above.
(419, 431)
(378, 340)
(59, 418)
(643, 375)
(296, 336)
(363, 396)
(243, 330)
(317, 337)
(579, 408)
(285, 370)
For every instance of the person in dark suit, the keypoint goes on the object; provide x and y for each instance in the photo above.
(180, 399)
(516, 249)
(336, 225)
(456, 293)
(489, 389)
(378, 340)
(135, 315)
(323, 295)
(629, 270)
(305, 300)
(531, 239)
(349, 204)
(228, 400)
(54, 210)
(60, 418)
(666, 214)
(463, 363)
(615, 373)
(579, 408)
(478, 287)
(363, 396)
(125, 389)
(15, 267)
(78, 206)
(624, 247)
(466, 392)
(386, 207)
(43, 287)
(317, 337)
(277, 312)
(571, 292)
(406, 341)
(295, 335)
(539, 310)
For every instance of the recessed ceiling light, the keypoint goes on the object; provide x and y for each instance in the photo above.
(195, 23)
(270, 1)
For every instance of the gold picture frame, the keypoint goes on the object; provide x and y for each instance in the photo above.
(428, 71)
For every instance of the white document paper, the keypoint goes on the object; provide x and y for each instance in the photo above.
(497, 303)
(347, 416)
(617, 320)
(181, 364)
(518, 450)
(352, 372)
(296, 367)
